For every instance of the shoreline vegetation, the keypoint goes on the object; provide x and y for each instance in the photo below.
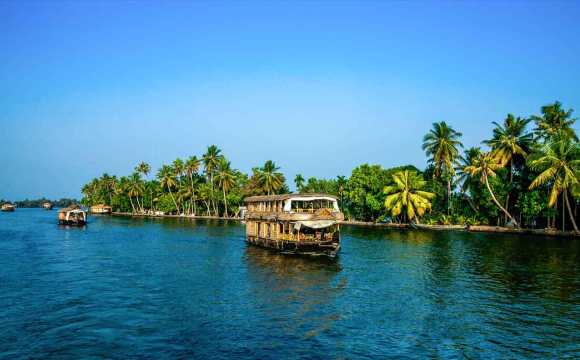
(468, 228)
(524, 179)
(37, 203)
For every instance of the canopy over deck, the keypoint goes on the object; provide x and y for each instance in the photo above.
(298, 197)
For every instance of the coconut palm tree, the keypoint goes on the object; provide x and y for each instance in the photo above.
(509, 141)
(442, 145)
(144, 169)
(559, 164)
(269, 178)
(191, 168)
(555, 122)
(407, 193)
(135, 189)
(299, 181)
(166, 176)
(485, 166)
(467, 182)
(107, 185)
(226, 180)
(210, 162)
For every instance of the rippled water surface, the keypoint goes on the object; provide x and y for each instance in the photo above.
(129, 288)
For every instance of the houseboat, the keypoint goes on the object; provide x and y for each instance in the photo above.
(303, 224)
(47, 206)
(101, 209)
(7, 207)
(72, 215)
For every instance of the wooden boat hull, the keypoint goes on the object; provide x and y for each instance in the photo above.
(8, 209)
(319, 248)
(72, 222)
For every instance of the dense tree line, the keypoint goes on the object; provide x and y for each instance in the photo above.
(525, 174)
(204, 186)
(36, 203)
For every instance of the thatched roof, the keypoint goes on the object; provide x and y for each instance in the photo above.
(70, 208)
(285, 197)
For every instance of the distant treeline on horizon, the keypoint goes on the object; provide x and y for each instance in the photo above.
(37, 203)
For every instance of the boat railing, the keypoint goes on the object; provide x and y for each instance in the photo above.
(299, 211)
(306, 237)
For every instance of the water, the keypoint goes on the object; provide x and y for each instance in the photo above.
(169, 288)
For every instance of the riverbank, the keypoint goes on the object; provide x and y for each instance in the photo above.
(116, 213)
(471, 228)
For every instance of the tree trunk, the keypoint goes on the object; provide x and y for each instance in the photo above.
(507, 198)
(207, 207)
(172, 198)
(192, 194)
(132, 206)
(570, 210)
(448, 197)
(498, 204)
(563, 216)
(225, 202)
(470, 202)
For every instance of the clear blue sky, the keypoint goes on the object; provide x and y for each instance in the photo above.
(92, 87)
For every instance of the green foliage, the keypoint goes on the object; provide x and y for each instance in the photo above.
(524, 175)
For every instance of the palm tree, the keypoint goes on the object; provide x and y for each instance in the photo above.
(269, 178)
(191, 168)
(144, 168)
(407, 193)
(510, 140)
(559, 163)
(210, 161)
(485, 166)
(107, 184)
(166, 176)
(299, 181)
(135, 189)
(466, 181)
(226, 179)
(441, 145)
(555, 121)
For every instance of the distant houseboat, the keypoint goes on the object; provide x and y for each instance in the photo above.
(294, 223)
(47, 206)
(101, 209)
(72, 215)
(8, 207)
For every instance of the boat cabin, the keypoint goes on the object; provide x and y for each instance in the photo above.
(7, 207)
(294, 223)
(101, 209)
(72, 215)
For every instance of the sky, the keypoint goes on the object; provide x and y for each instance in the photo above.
(88, 87)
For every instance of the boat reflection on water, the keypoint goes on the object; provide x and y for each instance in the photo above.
(298, 292)
(288, 265)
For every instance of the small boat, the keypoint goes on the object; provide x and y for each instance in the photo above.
(47, 206)
(72, 215)
(101, 209)
(438, 227)
(8, 207)
(299, 224)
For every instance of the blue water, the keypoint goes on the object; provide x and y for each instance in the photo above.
(168, 288)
